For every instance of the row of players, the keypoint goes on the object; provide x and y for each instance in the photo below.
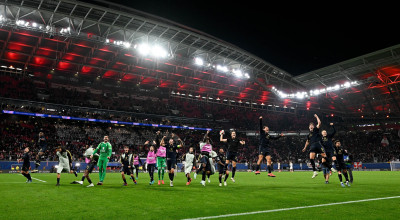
(165, 156)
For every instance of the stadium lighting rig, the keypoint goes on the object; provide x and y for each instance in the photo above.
(236, 72)
(314, 92)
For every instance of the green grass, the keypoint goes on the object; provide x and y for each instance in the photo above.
(40, 200)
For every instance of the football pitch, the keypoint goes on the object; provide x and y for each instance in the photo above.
(373, 195)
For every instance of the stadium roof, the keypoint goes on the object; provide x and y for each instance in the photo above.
(377, 92)
(103, 40)
(90, 39)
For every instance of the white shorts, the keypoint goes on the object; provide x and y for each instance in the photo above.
(63, 167)
(212, 166)
(188, 168)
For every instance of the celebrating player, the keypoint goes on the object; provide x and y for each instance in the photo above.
(63, 162)
(105, 150)
(171, 157)
(233, 147)
(126, 161)
(26, 165)
(137, 162)
(314, 140)
(161, 159)
(190, 162)
(151, 163)
(328, 146)
(43, 147)
(222, 167)
(264, 150)
(90, 165)
(342, 166)
(205, 166)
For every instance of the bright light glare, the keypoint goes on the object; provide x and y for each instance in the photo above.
(198, 61)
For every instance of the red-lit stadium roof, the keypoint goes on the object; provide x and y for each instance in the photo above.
(72, 37)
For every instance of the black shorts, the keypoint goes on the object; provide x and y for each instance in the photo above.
(204, 159)
(317, 148)
(329, 154)
(25, 168)
(264, 151)
(232, 156)
(341, 166)
(221, 169)
(43, 148)
(90, 167)
(171, 163)
(126, 170)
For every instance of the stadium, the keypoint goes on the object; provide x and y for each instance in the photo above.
(73, 73)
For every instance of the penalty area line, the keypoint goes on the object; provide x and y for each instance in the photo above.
(293, 208)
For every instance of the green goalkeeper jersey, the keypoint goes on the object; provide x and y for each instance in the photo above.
(105, 150)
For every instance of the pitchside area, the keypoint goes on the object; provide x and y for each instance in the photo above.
(250, 193)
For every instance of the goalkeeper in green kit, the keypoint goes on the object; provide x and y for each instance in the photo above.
(105, 154)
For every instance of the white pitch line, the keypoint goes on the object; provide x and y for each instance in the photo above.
(37, 179)
(293, 208)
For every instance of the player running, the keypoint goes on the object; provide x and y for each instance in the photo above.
(328, 146)
(43, 147)
(222, 166)
(171, 157)
(314, 141)
(151, 163)
(126, 161)
(342, 166)
(233, 147)
(91, 163)
(26, 165)
(105, 150)
(264, 148)
(190, 162)
(63, 163)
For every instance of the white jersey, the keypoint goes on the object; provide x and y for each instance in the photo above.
(63, 163)
(88, 152)
(291, 165)
(279, 166)
(188, 162)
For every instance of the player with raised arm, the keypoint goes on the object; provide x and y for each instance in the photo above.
(43, 147)
(105, 150)
(314, 141)
(161, 158)
(205, 150)
(171, 157)
(26, 165)
(63, 163)
(328, 146)
(151, 163)
(264, 148)
(342, 168)
(190, 162)
(126, 161)
(233, 147)
(222, 167)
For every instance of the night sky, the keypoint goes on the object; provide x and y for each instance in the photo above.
(295, 38)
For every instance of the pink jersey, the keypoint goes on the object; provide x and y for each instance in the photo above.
(87, 160)
(206, 148)
(161, 152)
(151, 157)
(136, 160)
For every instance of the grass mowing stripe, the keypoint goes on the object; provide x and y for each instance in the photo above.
(293, 208)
